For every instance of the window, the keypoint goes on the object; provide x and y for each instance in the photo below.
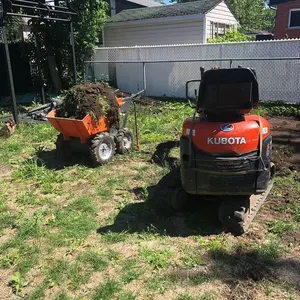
(219, 29)
(294, 20)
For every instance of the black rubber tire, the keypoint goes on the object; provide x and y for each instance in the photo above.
(63, 148)
(232, 213)
(96, 142)
(122, 148)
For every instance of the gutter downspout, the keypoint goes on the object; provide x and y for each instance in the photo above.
(204, 30)
(103, 36)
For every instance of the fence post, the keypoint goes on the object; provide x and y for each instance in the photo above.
(139, 67)
(144, 78)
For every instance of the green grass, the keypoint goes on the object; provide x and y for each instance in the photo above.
(28, 257)
(158, 258)
(76, 221)
(9, 260)
(132, 270)
(96, 260)
(7, 219)
(270, 251)
(78, 275)
(111, 243)
(104, 193)
(280, 227)
(56, 273)
(279, 108)
(38, 293)
(63, 296)
(114, 237)
(31, 226)
(27, 198)
(35, 170)
(107, 290)
(158, 284)
(207, 296)
(185, 296)
(113, 255)
(126, 296)
(192, 260)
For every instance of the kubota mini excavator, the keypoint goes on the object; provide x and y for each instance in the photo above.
(225, 152)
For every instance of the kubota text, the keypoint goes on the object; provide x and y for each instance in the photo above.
(226, 141)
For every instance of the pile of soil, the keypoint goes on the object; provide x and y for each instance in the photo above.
(96, 99)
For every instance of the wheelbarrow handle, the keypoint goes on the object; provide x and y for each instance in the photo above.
(137, 94)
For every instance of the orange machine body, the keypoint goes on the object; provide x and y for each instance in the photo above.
(235, 138)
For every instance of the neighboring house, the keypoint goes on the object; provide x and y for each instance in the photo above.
(287, 18)
(117, 6)
(191, 22)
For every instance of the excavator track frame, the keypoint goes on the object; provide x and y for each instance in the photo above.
(237, 213)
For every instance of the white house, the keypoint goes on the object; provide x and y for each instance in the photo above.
(185, 23)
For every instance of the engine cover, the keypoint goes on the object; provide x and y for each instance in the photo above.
(235, 138)
(223, 158)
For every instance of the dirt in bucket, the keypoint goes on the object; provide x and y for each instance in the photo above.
(96, 99)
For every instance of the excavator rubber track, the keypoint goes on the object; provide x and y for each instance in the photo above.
(237, 213)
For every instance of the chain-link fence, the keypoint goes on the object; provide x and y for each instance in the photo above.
(164, 70)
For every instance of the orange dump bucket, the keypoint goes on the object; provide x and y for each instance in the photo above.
(84, 129)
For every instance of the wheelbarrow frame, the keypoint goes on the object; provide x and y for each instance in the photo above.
(86, 129)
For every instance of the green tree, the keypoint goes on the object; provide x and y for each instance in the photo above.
(14, 29)
(231, 36)
(253, 15)
(269, 17)
(55, 36)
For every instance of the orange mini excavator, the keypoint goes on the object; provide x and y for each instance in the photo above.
(225, 152)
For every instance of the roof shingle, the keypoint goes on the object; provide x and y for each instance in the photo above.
(146, 3)
(181, 9)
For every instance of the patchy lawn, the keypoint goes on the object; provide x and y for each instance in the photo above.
(74, 232)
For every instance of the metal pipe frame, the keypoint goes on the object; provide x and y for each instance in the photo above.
(70, 10)
(38, 17)
(41, 9)
(55, 14)
(10, 75)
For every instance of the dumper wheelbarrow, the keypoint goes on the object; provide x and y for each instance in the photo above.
(96, 138)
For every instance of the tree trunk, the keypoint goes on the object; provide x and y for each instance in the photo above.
(54, 73)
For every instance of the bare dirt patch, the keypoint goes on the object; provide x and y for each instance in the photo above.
(286, 142)
(5, 290)
(5, 172)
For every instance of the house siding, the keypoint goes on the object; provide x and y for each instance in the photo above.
(220, 14)
(154, 34)
(282, 20)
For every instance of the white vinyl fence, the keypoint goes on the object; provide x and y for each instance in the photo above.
(164, 70)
